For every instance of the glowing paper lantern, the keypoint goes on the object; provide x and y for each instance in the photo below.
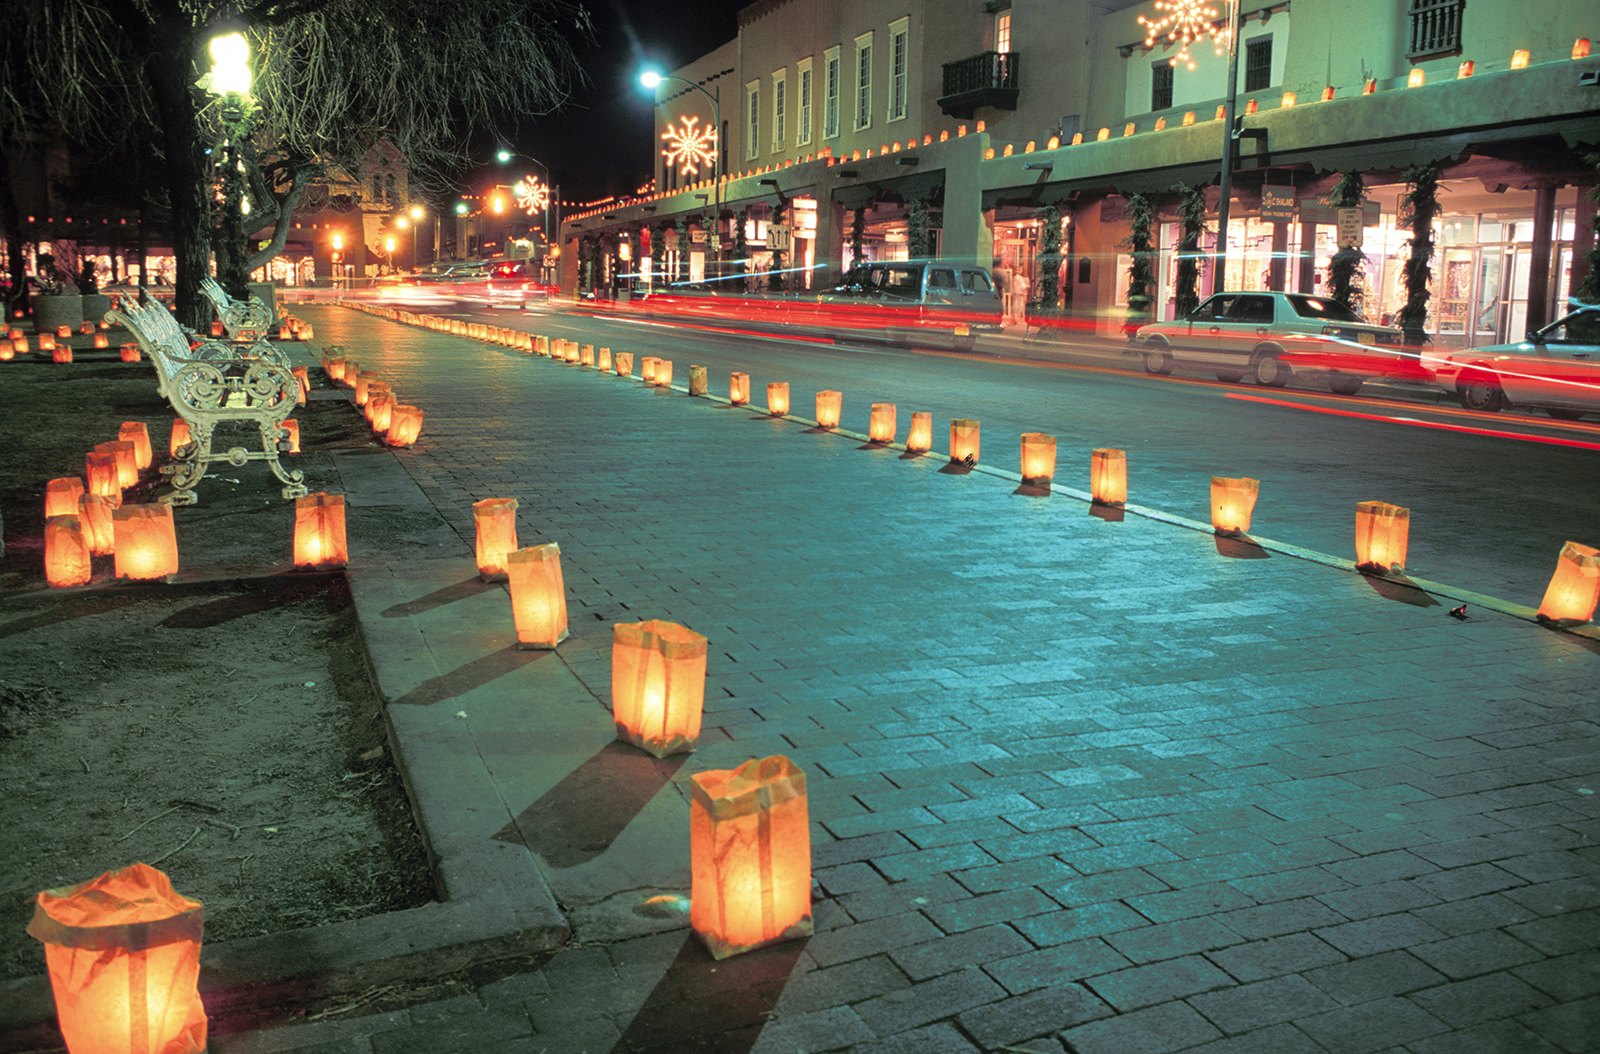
(1232, 502)
(123, 951)
(538, 596)
(303, 377)
(8, 350)
(1519, 59)
(47, 342)
(881, 425)
(1382, 534)
(146, 541)
(750, 856)
(180, 436)
(496, 523)
(603, 360)
(363, 388)
(699, 381)
(335, 369)
(830, 405)
(127, 461)
(658, 685)
(405, 425)
(739, 389)
(129, 352)
(624, 364)
(285, 333)
(102, 341)
(1574, 589)
(61, 353)
(586, 355)
(919, 437)
(381, 407)
(216, 327)
(305, 332)
(61, 496)
(1416, 77)
(290, 441)
(95, 515)
(63, 332)
(1038, 458)
(964, 436)
(136, 433)
(663, 373)
(778, 398)
(647, 370)
(319, 539)
(66, 552)
(1108, 477)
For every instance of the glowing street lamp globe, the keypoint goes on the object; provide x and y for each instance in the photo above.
(230, 64)
(650, 79)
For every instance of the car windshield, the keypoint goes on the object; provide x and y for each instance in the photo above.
(1320, 308)
(1580, 327)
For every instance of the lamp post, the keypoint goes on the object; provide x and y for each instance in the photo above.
(1230, 136)
(504, 157)
(229, 79)
(652, 79)
(336, 243)
(388, 247)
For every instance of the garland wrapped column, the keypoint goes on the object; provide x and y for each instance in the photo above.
(1141, 240)
(1191, 223)
(1417, 210)
(1343, 269)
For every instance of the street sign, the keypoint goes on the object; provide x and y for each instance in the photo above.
(778, 237)
(1277, 204)
(1350, 224)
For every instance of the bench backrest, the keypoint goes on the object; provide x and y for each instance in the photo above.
(158, 334)
(215, 293)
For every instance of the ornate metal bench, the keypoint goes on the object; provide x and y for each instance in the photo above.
(211, 384)
(241, 319)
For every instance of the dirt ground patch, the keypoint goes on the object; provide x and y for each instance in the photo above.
(223, 725)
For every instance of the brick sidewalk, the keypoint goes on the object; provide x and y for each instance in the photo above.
(1076, 785)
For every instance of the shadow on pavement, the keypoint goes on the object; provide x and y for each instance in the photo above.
(702, 1004)
(1401, 589)
(956, 468)
(1033, 490)
(1108, 513)
(252, 598)
(474, 674)
(1240, 548)
(578, 819)
(439, 598)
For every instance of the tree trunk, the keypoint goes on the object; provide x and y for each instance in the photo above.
(188, 183)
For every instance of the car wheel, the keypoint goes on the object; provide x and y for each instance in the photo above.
(1564, 415)
(1158, 358)
(1270, 370)
(1230, 375)
(1480, 391)
(1344, 384)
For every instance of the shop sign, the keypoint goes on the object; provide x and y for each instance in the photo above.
(1277, 204)
(1350, 225)
(778, 237)
(697, 236)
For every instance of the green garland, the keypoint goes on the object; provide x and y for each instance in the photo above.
(1344, 269)
(1192, 224)
(1141, 230)
(917, 241)
(683, 248)
(858, 234)
(1589, 289)
(1049, 257)
(1417, 210)
(741, 248)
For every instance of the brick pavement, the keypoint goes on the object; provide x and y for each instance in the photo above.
(1076, 785)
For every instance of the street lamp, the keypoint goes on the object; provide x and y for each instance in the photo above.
(652, 79)
(534, 199)
(388, 247)
(230, 79)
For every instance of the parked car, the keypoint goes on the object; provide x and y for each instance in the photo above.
(1556, 369)
(1271, 336)
(921, 300)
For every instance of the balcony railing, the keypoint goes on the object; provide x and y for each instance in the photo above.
(989, 79)
(1435, 27)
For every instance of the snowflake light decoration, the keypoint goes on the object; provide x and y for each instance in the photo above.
(532, 195)
(1183, 23)
(689, 146)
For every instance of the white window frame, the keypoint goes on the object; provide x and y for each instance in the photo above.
(752, 116)
(864, 57)
(806, 85)
(780, 107)
(899, 79)
(832, 91)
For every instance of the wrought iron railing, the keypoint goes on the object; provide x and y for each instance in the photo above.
(990, 70)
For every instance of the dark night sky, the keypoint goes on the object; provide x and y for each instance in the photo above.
(602, 143)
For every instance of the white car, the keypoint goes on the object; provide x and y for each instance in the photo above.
(1271, 336)
(1556, 369)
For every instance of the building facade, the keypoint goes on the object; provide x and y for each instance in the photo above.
(889, 128)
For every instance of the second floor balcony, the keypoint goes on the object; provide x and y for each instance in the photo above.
(987, 79)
